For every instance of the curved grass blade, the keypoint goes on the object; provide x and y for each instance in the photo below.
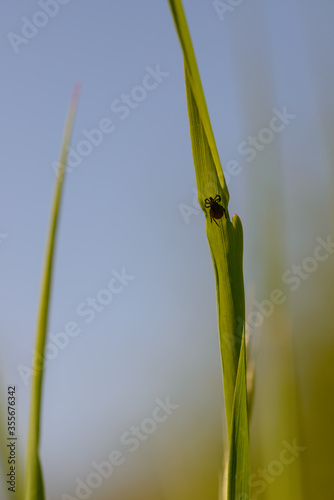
(34, 488)
(226, 247)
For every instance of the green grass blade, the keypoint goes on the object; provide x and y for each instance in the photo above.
(226, 247)
(239, 467)
(194, 81)
(34, 489)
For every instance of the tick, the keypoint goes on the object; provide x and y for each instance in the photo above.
(216, 211)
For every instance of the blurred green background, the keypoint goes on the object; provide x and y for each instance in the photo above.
(130, 203)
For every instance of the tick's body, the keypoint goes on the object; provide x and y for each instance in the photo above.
(216, 211)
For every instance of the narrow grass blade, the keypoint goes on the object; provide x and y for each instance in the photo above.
(34, 489)
(226, 247)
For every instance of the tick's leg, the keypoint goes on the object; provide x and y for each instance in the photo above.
(207, 203)
(214, 220)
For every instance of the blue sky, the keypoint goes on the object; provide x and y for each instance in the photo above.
(123, 202)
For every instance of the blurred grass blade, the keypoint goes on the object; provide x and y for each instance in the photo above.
(226, 247)
(34, 489)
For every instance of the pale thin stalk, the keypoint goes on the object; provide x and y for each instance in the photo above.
(34, 489)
